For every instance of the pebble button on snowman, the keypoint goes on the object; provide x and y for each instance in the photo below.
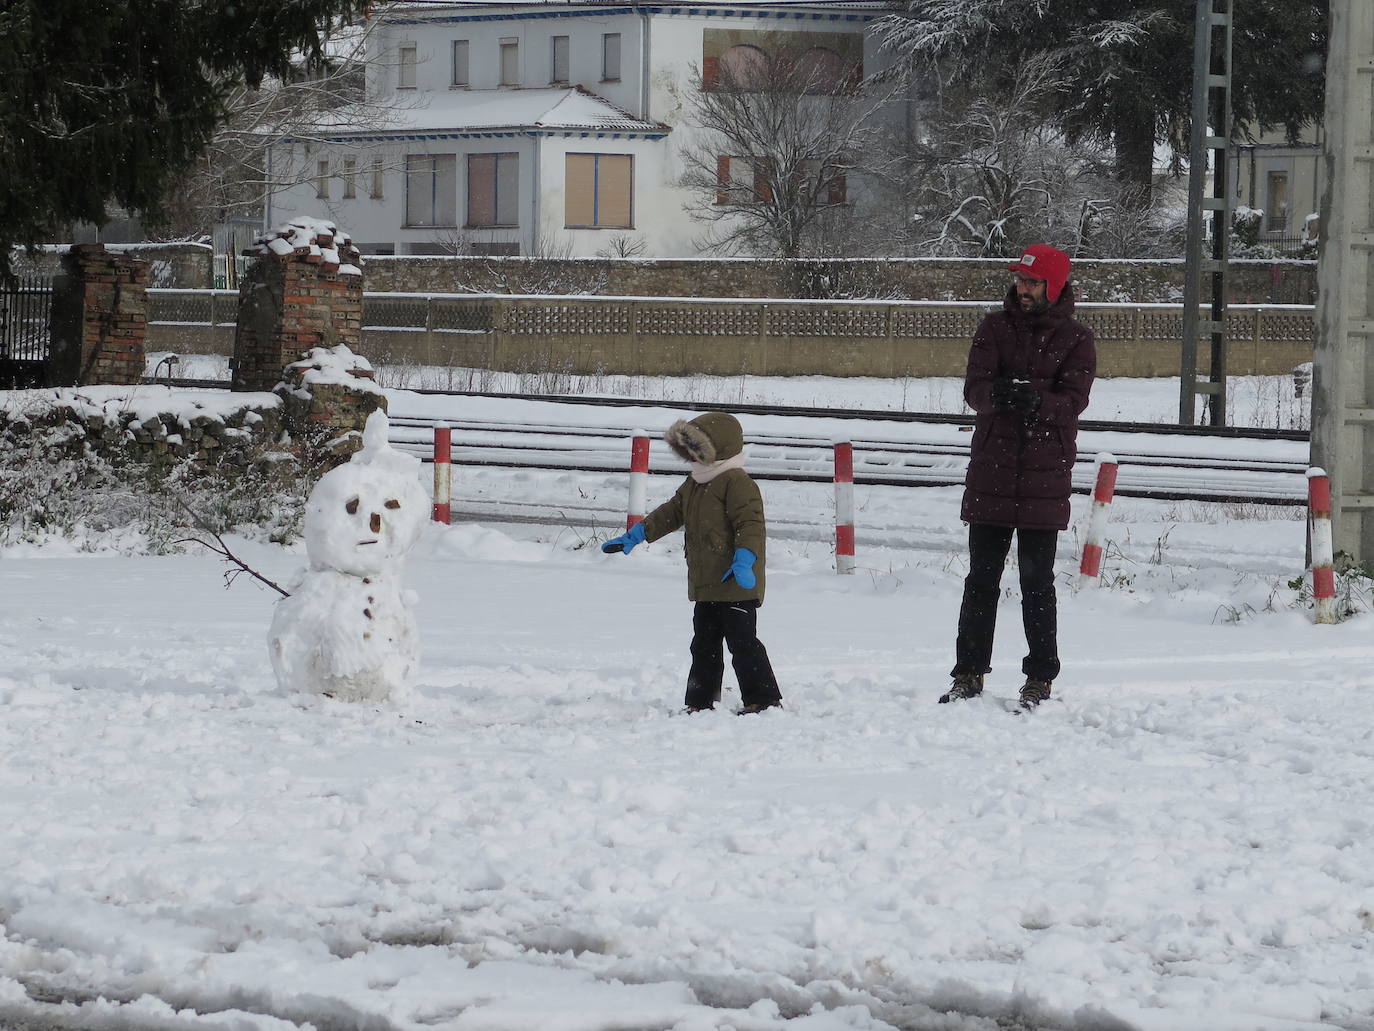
(348, 629)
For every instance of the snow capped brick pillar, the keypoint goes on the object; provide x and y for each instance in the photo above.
(304, 291)
(99, 318)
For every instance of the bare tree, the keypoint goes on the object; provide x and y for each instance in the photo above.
(780, 138)
(986, 173)
(247, 159)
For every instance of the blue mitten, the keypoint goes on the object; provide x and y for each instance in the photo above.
(742, 569)
(626, 541)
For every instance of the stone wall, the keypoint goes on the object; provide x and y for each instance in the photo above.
(99, 318)
(952, 279)
(186, 266)
(119, 433)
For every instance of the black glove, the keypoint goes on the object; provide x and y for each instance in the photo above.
(1024, 397)
(1002, 397)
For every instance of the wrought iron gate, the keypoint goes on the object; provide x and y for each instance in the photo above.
(25, 304)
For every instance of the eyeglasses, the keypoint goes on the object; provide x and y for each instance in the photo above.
(1021, 279)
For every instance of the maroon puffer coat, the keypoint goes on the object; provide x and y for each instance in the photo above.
(1020, 466)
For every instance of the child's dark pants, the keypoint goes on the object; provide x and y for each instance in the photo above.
(734, 623)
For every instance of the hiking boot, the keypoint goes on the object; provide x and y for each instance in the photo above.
(966, 685)
(1033, 692)
(754, 707)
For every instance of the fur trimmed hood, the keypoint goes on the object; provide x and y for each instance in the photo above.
(707, 439)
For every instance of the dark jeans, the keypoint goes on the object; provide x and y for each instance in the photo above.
(987, 554)
(735, 623)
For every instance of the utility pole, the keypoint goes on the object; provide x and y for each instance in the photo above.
(1206, 277)
(1343, 366)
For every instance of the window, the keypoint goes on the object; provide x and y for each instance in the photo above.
(405, 70)
(510, 61)
(742, 67)
(378, 190)
(741, 180)
(1276, 202)
(749, 180)
(610, 57)
(559, 64)
(322, 179)
(431, 189)
(493, 189)
(350, 178)
(599, 191)
(460, 62)
(821, 70)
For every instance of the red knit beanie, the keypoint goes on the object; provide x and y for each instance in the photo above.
(1042, 261)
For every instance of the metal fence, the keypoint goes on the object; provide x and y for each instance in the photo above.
(25, 307)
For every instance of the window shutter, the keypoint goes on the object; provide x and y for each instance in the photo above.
(579, 198)
(507, 189)
(615, 191)
(460, 62)
(445, 189)
(481, 189)
(610, 56)
(722, 179)
(560, 59)
(763, 188)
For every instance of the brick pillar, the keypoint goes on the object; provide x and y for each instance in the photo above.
(304, 291)
(99, 318)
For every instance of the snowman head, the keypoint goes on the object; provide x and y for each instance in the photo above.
(365, 515)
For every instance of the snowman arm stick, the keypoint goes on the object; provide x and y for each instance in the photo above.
(223, 549)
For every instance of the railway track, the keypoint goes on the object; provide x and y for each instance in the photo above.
(893, 449)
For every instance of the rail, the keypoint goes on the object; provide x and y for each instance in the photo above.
(1163, 470)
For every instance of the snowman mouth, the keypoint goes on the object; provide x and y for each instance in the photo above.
(361, 543)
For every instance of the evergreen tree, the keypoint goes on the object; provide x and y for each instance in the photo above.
(106, 102)
(1128, 63)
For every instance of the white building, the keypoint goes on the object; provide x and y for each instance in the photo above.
(545, 128)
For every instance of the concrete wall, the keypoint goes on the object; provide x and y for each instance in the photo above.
(682, 337)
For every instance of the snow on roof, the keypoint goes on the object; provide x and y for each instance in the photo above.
(564, 108)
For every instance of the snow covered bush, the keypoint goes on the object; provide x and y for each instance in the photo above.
(90, 479)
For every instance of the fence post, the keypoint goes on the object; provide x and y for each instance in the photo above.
(1323, 559)
(639, 477)
(844, 507)
(1091, 565)
(443, 473)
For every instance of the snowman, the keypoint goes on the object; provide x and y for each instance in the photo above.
(348, 629)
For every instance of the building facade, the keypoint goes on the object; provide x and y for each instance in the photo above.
(555, 129)
(1284, 181)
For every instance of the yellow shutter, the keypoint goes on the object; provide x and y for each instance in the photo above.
(615, 191)
(579, 199)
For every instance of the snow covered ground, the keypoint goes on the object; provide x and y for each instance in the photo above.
(536, 840)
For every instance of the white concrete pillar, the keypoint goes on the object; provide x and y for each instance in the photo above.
(1343, 366)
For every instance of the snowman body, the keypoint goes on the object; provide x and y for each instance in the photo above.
(348, 628)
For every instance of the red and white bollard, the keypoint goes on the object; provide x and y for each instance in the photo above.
(639, 477)
(443, 472)
(1091, 565)
(1323, 556)
(844, 507)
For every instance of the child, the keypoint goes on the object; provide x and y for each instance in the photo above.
(721, 509)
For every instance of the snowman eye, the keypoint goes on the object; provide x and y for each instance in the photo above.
(393, 503)
(352, 507)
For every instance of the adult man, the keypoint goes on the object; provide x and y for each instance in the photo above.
(1029, 372)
